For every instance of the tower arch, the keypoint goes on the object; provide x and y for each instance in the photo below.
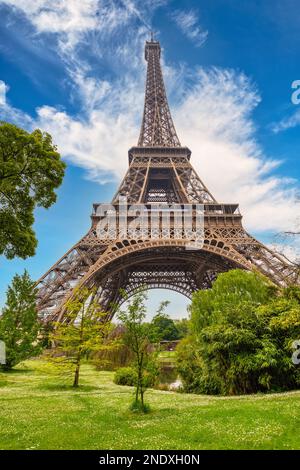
(159, 172)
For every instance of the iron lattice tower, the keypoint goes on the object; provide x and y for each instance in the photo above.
(159, 172)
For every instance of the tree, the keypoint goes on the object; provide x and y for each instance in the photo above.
(85, 329)
(117, 355)
(162, 326)
(30, 171)
(183, 327)
(19, 325)
(242, 335)
(282, 319)
(138, 338)
(228, 291)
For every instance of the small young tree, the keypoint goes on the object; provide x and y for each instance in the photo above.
(19, 325)
(137, 338)
(84, 330)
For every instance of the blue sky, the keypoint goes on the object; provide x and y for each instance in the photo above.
(75, 68)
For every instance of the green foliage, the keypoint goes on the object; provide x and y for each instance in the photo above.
(19, 325)
(30, 171)
(229, 290)
(46, 330)
(137, 338)
(243, 329)
(162, 327)
(126, 376)
(84, 330)
(192, 369)
(117, 356)
(183, 327)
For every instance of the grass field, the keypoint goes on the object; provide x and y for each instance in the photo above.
(38, 412)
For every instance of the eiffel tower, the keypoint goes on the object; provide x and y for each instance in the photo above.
(159, 172)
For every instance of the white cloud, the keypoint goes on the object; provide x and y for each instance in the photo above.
(8, 112)
(71, 18)
(97, 144)
(90, 90)
(3, 90)
(215, 121)
(188, 23)
(103, 125)
(287, 122)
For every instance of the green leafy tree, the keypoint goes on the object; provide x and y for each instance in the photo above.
(162, 327)
(117, 355)
(85, 329)
(242, 332)
(228, 291)
(282, 317)
(137, 336)
(19, 325)
(30, 171)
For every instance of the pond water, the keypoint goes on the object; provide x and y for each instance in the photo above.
(169, 376)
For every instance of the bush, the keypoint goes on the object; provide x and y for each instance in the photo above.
(243, 329)
(128, 376)
(125, 376)
(191, 368)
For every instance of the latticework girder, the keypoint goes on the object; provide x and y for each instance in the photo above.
(162, 172)
(159, 172)
(157, 125)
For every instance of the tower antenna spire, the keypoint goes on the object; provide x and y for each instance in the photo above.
(157, 128)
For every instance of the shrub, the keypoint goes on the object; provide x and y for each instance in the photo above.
(128, 376)
(191, 368)
(243, 329)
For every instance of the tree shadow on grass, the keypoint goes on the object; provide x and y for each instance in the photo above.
(61, 387)
(11, 372)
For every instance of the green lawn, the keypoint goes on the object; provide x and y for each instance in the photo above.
(38, 412)
(167, 356)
